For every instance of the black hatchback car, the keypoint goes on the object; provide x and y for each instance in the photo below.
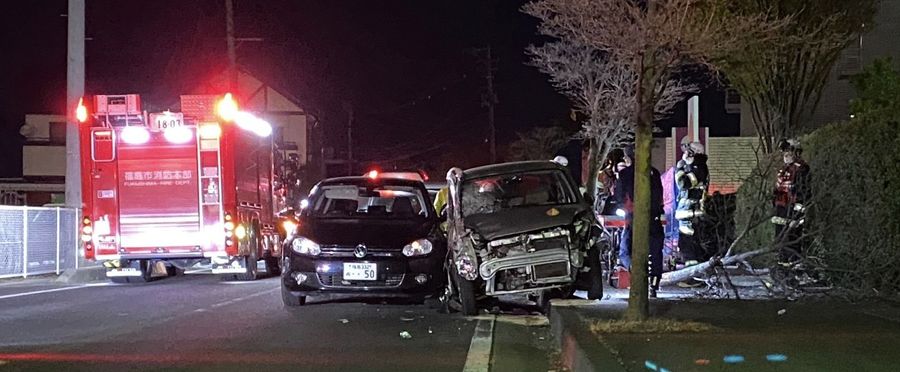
(365, 235)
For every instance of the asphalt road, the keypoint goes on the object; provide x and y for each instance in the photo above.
(197, 322)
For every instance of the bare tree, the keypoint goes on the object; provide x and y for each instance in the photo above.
(601, 89)
(539, 143)
(783, 85)
(656, 39)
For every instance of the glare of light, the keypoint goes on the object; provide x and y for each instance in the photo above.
(304, 204)
(178, 135)
(135, 135)
(81, 113)
(210, 131)
(227, 108)
(620, 212)
(249, 122)
(289, 226)
(240, 232)
(373, 174)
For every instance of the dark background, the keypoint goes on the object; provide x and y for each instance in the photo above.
(411, 70)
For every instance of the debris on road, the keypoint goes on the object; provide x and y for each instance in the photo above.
(407, 319)
(344, 321)
(776, 358)
(405, 335)
(782, 311)
(702, 362)
(430, 331)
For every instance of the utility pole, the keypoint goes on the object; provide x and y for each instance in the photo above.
(349, 108)
(74, 91)
(229, 40)
(489, 99)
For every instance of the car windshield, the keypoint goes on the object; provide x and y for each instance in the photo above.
(343, 201)
(494, 193)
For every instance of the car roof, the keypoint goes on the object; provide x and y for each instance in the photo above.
(359, 180)
(512, 167)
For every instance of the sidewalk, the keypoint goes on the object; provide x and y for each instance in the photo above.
(752, 335)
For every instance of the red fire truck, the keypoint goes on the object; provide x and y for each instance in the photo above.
(181, 188)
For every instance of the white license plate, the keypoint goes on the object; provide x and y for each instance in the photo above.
(360, 271)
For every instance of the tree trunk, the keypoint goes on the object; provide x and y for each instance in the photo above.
(593, 168)
(638, 303)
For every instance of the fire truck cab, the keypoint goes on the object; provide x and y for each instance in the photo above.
(181, 188)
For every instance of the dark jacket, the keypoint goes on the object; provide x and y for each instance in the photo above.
(625, 196)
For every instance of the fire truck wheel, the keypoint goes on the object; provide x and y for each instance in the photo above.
(272, 266)
(174, 271)
(250, 262)
(290, 300)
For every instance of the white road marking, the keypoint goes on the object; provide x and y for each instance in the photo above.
(14, 295)
(479, 357)
(231, 301)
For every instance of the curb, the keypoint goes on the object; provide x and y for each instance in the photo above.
(82, 275)
(579, 349)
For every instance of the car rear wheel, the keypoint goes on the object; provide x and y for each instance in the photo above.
(291, 300)
(465, 289)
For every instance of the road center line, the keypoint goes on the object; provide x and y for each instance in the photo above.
(479, 357)
(14, 295)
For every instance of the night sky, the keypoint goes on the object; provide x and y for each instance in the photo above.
(409, 69)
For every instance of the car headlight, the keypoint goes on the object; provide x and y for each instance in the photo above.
(305, 246)
(419, 247)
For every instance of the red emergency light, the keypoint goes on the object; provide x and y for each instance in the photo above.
(81, 112)
(227, 108)
(373, 174)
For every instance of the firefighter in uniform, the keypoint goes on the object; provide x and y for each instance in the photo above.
(692, 178)
(790, 195)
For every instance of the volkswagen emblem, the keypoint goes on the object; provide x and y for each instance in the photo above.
(360, 251)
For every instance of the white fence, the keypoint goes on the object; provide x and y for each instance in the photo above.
(37, 240)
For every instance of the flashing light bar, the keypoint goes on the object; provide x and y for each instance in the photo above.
(81, 112)
(178, 135)
(210, 131)
(227, 108)
(248, 121)
(135, 135)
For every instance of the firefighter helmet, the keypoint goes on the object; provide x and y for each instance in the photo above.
(790, 145)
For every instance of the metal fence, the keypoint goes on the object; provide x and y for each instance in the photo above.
(38, 240)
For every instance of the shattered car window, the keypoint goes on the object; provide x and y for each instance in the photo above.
(359, 201)
(494, 193)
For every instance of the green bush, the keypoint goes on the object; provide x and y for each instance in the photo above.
(754, 206)
(855, 215)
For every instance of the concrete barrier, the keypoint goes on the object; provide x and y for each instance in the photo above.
(82, 275)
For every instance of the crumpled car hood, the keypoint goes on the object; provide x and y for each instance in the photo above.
(516, 221)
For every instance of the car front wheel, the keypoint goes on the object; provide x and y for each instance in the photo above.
(465, 289)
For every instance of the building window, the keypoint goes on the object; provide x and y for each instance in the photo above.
(57, 133)
(850, 62)
(732, 101)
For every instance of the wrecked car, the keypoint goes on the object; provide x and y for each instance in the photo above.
(518, 228)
